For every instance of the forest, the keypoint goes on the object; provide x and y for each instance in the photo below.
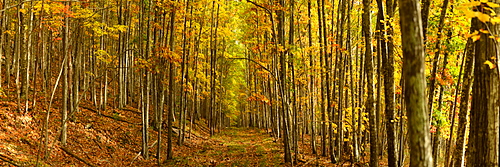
(250, 83)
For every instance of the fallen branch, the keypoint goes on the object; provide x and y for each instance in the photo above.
(305, 164)
(203, 128)
(119, 119)
(107, 116)
(137, 156)
(152, 145)
(131, 110)
(6, 159)
(195, 135)
(77, 157)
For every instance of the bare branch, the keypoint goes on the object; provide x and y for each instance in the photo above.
(260, 6)
(13, 6)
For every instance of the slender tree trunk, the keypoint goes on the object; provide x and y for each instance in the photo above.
(285, 108)
(294, 111)
(453, 114)
(432, 84)
(370, 102)
(459, 152)
(171, 75)
(312, 90)
(426, 5)
(65, 101)
(388, 62)
(324, 101)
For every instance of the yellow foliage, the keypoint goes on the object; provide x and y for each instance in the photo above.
(10, 32)
(475, 36)
(83, 13)
(495, 20)
(471, 4)
(483, 17)
(24, 11)
(466, 8)
(484, 31)
(474, 33)
(492, 5)
(490, 64)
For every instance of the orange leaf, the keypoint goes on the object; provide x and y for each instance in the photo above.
(475, 37)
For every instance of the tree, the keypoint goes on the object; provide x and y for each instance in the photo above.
(388, 63)
(464, 98)
(370, 102)
(483, 137)
(171, 75)
(414, 82)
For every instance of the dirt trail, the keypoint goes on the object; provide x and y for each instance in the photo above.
(232, 147)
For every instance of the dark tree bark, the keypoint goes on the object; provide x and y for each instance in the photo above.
(426, 5)
(370, 101)
(312, 89)
(464, 105)
(284, 92)
(171, 82)
(483, 136)
(388, 63)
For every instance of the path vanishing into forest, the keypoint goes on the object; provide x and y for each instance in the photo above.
(233, 147)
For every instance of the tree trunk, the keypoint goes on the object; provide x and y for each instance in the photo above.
(64, 111)
(284, 92)
(459, 152)
(370, 102)
(426, 5)
(483, 136)
(414, 80)
(388, 62)
(312, 89)
(171, 82)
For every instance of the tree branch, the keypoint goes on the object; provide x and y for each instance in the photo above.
(260, 6)
(8, 7)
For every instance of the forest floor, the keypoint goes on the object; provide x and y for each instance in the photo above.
(114, 138)
(233, 147)
(242, 147)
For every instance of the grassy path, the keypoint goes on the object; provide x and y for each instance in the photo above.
(232, 147)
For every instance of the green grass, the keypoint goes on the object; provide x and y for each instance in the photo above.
(236, 149)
